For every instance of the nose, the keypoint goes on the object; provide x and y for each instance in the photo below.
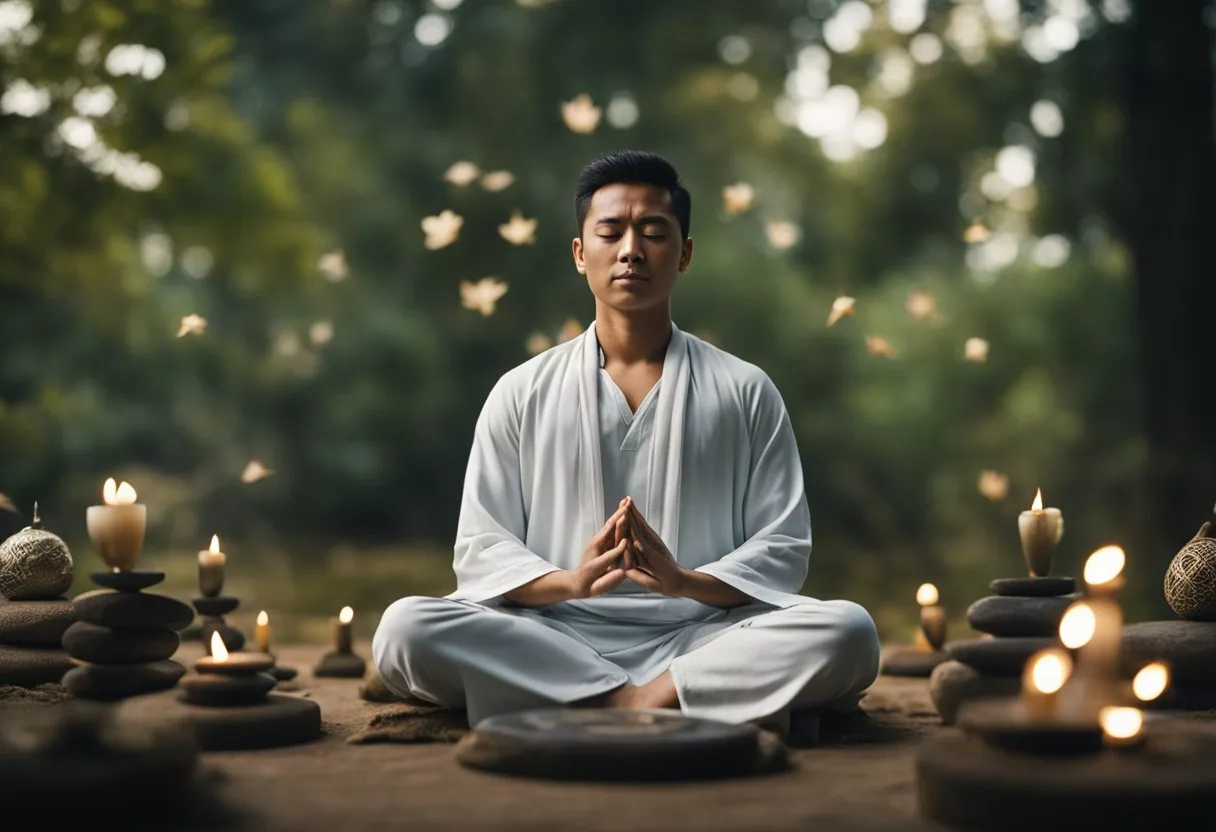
(631, 250)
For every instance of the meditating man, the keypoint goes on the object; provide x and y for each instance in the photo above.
(633, 530)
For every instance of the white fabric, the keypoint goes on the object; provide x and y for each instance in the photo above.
(711, 460)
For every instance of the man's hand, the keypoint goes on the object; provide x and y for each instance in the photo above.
(599, 570)
(649, 563)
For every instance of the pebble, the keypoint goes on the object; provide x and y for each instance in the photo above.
(110, 608)
(1007, 615)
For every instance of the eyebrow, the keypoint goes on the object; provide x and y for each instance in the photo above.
(647, 219)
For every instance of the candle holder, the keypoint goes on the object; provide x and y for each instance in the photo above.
(211, 604)
(342, 661)
(262, 639)
(123, 637)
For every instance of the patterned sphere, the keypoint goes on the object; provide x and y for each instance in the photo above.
(34, 565)
(1190, 581)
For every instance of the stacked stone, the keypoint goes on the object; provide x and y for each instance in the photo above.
(213, 610)
(1188, 647)
(35, 571)
(123, 637)
(1021, 618)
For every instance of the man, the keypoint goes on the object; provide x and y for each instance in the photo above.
(686, 595)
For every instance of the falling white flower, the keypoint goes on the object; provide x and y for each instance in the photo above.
(518, 231)
(781, 233)
(192, 325)
(321, 333)
(570, 329)
(976, 349)
(878, 346)
(581, 115)
(497, 180)
(841, 307)
(461, 173)
(333, 266)
(7, 504)
(255, 471)
(537, 343)
(738, 197)
(977, 232)
(442, 229)
(482, 295)
(993, 485)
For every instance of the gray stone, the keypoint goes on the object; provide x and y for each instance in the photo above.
(211, 689)
(119, 645)
(234, 639)
(953, 683)
(220, 605)
(1034, 587)
(344, 665)
(1188, 646)
(998, 656)
(119, 681)
(1007, 615)
(127, 580)
(110, 608)
(35, 623)
(28, 667)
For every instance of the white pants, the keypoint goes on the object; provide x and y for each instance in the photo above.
(735, 665)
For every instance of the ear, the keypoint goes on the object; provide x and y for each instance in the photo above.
(576, 247)
(686, 255)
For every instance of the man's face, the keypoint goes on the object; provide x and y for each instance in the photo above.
(631, 250)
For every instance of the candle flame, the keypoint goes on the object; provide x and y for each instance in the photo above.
(1049, 670)
(215, 544)
(1151, 681)
(347, 615)
(1078, 625)
(263, 619)
(120, 495)
(1037, 505)
(1121, 723)
(927, 595)
(218, 651)
(1104, 565)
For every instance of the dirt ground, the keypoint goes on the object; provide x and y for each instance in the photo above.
(333, 785)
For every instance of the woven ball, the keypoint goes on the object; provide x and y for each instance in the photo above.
(34, 565)
(1190, 581)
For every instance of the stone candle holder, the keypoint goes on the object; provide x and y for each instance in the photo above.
(238, 679)
(213, 609)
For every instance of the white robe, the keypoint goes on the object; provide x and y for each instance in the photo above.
(711, 460)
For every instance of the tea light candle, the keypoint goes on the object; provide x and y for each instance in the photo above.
(1040, 529)
(1044, 676)
(932, 616)
(262, 633)
(342, 630)
(117, 527)
(1121, 727)
(211, 568)
(231, 664)
(1151, 681)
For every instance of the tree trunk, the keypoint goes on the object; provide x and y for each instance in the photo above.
(1173, 237)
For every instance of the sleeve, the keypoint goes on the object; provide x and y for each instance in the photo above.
(490, 556)
(771, 564)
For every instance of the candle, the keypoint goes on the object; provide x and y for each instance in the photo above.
(1151, 681)
(1040, 529)
(932, 616)
(342, 634)
(231, 664)
(262, 633)
(211, 568)
(1045, 674)
(1103, 579)
(1121, 727)
(117, 527)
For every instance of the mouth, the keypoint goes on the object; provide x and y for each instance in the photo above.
(630, 277)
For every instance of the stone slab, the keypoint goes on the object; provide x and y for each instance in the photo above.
(217, 691)
(29, 667)
(220, 605)
(127, 580)
(1188, 646)
(119, 645)
(343, 665)
(998, 656)
(1034, 587)
(953, 683)
(1015, 617)
(111, 608)
(120, 681)
(280, 720)
(35, 623)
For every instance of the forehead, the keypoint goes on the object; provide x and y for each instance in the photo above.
(624, 200)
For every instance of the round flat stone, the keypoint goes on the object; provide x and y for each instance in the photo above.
(1005, 723)
(234, 639)
(343, 665)
(28, 667)
(610, 744)
(1169, 783)
(35, 623)
(276, 721)
(212, 690)
(128, 580)
(1033, 587)
(119, 681)
(1188, 646)
(953, 683)
(998, 656)
(111, 608)
(119, 645)
(283, 674)
(910, 662)
(219, 605)
(1008, 615)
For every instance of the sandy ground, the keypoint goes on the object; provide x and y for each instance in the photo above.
(333, 785)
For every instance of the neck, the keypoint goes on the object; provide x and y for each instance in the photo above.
(633, 337)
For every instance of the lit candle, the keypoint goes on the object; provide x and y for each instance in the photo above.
(1121, 727)
(1040, 529)
(1045, 674)
(1151, 681)
(1103, 579)
(231, 664)
(342, 633)
(262, 633)
(117, 527)
(211, 568)
(932, 616)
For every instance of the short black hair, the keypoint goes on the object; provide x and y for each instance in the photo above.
(632, 167)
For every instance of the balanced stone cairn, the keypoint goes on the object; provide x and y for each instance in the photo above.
(35, 571)
(211, 604)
